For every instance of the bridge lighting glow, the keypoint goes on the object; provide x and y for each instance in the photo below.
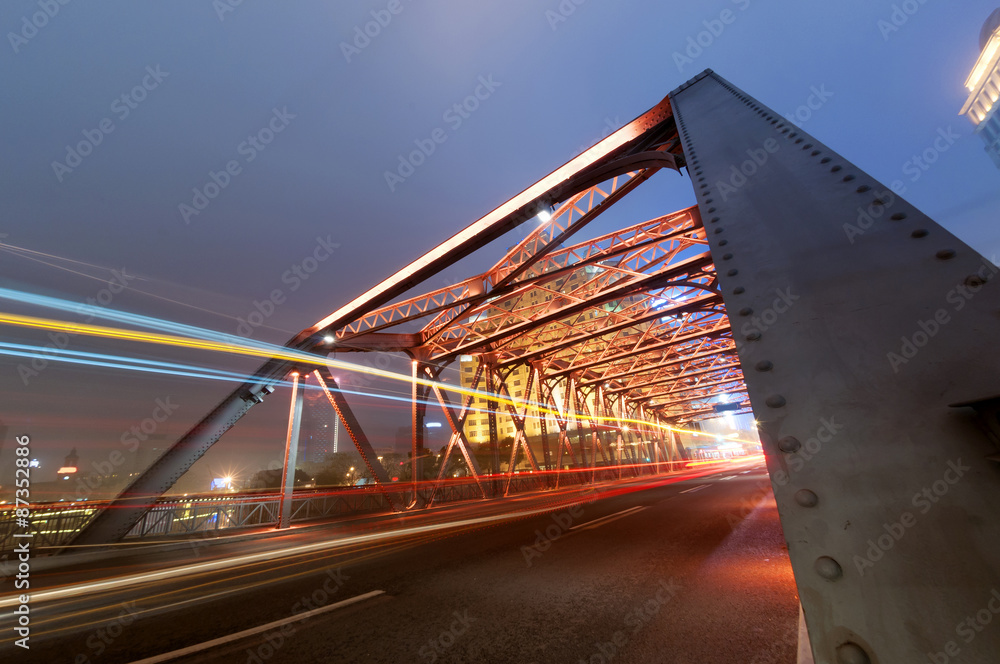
(544, 216)
(203, 339)
(328, 339)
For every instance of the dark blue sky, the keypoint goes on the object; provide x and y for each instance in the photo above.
(556, 85)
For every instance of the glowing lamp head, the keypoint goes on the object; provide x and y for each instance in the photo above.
(328, 339)
(544, 216)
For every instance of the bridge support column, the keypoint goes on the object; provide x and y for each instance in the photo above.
(291, 451)
(418, 398)
(492, 379)
(543, 423)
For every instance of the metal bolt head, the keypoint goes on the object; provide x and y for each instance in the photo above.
(806, 498)
(789, 444)
(764, 365)
(852, 653)
(775, 401)
(974, 281)
(828, 568)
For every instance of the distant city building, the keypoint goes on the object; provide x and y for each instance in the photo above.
(71, 465)
(984, 88)
(320, 429)
(146, 452)
(477, 428)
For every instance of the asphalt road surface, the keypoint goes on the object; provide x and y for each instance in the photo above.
(671, 570)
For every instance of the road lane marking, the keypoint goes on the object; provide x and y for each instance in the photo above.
(700, 486)
(174, 654)
(731, 477)
(608, 519)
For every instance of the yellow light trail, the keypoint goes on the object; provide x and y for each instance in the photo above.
(87, 329)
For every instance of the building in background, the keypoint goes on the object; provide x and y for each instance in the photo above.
(477, 428)
(983, 85)
(320, 429)
(71, 465)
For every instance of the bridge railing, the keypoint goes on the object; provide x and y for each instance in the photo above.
(55, 524)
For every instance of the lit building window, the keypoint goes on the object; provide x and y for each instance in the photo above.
(983, 84)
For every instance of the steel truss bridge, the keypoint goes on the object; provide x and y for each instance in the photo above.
(797, 283)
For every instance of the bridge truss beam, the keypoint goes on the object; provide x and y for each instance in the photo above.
(877, 351)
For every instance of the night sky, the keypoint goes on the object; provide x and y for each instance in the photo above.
(556, 77)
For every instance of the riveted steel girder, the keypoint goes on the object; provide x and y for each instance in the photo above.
(872, 322)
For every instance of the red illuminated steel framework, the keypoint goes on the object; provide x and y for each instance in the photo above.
(629, 335)
(624, 337)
